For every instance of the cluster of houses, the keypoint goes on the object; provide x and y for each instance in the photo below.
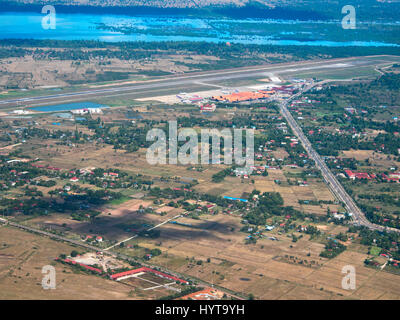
(359, 175)
(19, 175)
(74, 175)
(126, 274)
(245, 172)
(110, 179)
(391, 177)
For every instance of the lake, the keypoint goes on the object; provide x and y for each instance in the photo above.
(68, 107)
(118, 28)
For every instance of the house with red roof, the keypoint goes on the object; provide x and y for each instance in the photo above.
(390, 178)
(111, 174)
(130, 273)
(69, 261)
(359, 175)
(208, 107)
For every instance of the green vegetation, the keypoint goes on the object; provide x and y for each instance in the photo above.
(375, 251)
(332, 249)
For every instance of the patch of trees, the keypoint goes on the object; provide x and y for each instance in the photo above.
(332, 249)
(388, 241)
(46, 183)
(220, 176)
(268, 203)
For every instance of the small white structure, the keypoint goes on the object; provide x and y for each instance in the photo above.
(21, 111)
(87, 110)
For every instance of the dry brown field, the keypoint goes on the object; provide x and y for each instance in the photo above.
(375, 158)
(256, 269)
(22, 256)
(50, 73)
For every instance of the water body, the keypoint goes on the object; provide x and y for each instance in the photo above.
(69, 107)
(119, 28)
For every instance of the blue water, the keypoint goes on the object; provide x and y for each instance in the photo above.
(68, 106)
(27, 25)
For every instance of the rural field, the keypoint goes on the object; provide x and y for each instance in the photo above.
(22, 257)
(209, 246)
(262, 269)
(129, 229)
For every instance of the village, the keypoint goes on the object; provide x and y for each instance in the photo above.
(81, 174)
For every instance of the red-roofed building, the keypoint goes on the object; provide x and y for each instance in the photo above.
(395, 175)
(389, 179)
(111, 174)
(358, 175)
(126, 274)
(69, 261)
(208, 107)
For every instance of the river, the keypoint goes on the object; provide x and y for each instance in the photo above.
(117, 28)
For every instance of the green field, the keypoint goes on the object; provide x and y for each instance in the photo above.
(119, 201)
(375, 251)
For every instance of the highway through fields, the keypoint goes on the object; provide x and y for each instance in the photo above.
(152, 88)
(333, 183)
(195, 81)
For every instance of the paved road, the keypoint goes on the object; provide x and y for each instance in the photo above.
(333, 183)
(151, 88)
(195, 81)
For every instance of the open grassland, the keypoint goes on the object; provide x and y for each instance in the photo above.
(22, 256)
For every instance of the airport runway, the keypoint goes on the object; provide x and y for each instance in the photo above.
(199, 81)
(194, 82)
(152, 89)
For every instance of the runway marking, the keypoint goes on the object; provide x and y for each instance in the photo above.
(209, 84)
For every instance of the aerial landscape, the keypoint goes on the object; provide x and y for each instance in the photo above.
(200, 150)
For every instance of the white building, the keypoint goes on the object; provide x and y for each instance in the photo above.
(87, 110)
